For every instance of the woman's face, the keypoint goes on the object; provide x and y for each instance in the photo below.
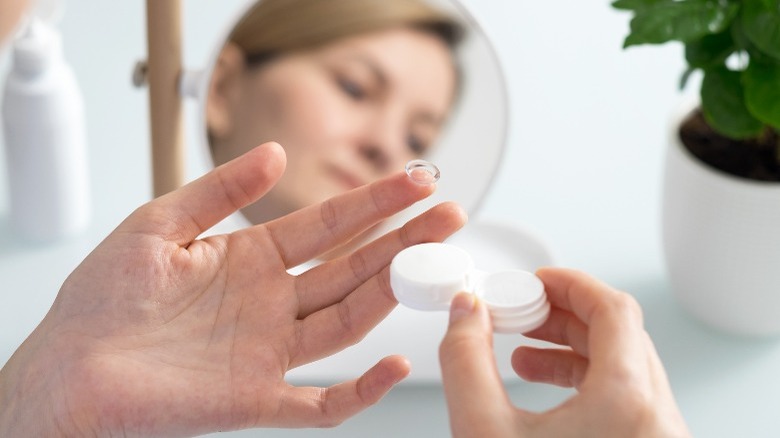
(346, 113)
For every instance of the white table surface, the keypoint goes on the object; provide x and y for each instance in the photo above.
(583, 169)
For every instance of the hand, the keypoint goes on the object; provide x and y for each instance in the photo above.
(159, 333)
(622, 386)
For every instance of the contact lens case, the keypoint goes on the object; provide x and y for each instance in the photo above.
(427, 276)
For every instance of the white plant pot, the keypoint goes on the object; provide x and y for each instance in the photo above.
(721, 238)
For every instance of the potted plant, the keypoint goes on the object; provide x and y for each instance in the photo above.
(721, 206)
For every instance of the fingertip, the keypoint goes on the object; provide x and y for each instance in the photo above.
(544, 270)
(250, 176)
(276, 149)
(519, 361)
(398, 366)
(194, 208)
(550, 273)
(436, 224)
(382, 377)
(272, 159)
(558, 275)
(255, 172)
(456, 212)
(469, 316)
(463, 305)
(423, 190)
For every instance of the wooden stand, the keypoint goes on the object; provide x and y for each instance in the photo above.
(163, 18)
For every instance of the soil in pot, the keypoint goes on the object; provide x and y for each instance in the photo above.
(754, 159)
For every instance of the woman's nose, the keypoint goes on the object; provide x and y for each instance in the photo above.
(376, 155)
(383, 144)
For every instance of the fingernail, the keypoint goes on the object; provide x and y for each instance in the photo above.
(462, 306)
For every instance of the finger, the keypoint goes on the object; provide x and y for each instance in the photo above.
(474, 391)
(614, 319)
(574, 291)
(331, 282)
(343, 324)
(328, 407)
(182, 215)
(552, 366)
(563, 328)
(309, 232)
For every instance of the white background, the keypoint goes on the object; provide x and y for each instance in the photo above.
(583, 169)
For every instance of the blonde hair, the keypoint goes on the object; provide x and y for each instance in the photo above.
(276, 26)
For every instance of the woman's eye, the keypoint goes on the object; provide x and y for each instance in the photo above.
(416, 145)
(352, 89)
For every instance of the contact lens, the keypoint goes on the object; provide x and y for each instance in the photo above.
(423, 172)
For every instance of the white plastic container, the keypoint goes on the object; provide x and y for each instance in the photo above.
(45, 140)
(427, 276)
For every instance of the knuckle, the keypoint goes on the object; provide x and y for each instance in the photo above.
(623, 305)
(329, 418)
(329, 216)
(404, 236)
(358, 265)
(347, 321)
(384, 284)
(629, 306)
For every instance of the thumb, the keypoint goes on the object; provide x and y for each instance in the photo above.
(472, 385)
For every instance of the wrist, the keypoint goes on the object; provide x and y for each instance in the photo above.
(32, 398)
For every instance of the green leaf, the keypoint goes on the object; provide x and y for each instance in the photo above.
(744, 44)
(710, 50)
(761, 24)
(738, 36)
(635, 5)
(723, 104)
(762, 92)
(680, 21)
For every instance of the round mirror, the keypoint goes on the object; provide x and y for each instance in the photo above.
(352, 90)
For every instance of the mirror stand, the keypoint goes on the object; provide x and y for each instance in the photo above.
(164, 67)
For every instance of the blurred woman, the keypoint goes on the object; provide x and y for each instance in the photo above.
(352, 89)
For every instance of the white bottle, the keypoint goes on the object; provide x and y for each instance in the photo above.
(45, 139)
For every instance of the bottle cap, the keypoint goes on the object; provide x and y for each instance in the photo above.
(36, 48)
(429, 275)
